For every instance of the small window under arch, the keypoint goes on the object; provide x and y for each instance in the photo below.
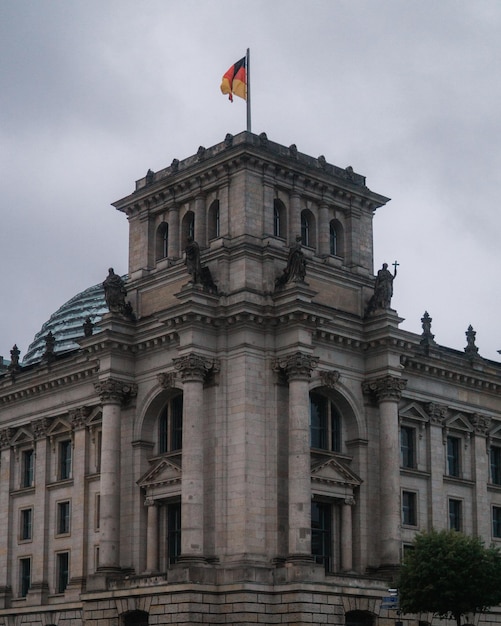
(325, 424)
(170, 425)
(136, 618)
(188, 228)
(162, 241)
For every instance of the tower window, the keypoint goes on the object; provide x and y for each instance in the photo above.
(278, 218)
(409, 508)
(336, 238)
(453, 456)
(26, 523)
(24, 576)
(162, 242)
(214, 220)
(496, 522)
(407, 447)
(63, 517)
(455, 514)
(173, 531)
(495, 462)
(62, 571)
(27, 470)
(65, 459)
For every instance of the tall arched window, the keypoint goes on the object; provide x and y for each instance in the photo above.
(279, 226)
(162, 242)
(214, 223)
(325, 424)
(170, 425)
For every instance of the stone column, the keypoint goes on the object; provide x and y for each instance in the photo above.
(437, 503)
(347, 535)
(5, 515)
(78, 419)
(298, 368)
(294, 217)
(152, 536)
(113, 393)
(388, 390)
(39, 589)
(481, 520)
(323, 230)
(193, 369)
(200, 220)
(173, 242)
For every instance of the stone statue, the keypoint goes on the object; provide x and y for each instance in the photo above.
(295, 270)
(383, 289)
(192, 261)
(114, 293)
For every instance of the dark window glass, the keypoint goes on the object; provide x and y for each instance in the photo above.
(325, 424)
(170, 426)
(162, 241)
(28, 460)
(409, 512)
(407, 447)
(455, 521)
(63, 562)
(496, 521)
(24, 576)
(321, 533)
(495, 459)
(453, 458)
(63, 517)
(65, 459)
(305, 230)
(333, 239)
(173, 531)
(26, 524)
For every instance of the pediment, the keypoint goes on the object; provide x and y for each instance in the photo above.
(414, 411)
(58, 426)
(21, 437)
(495, 430)
(333, 472)
(163, 472)
(458, 421)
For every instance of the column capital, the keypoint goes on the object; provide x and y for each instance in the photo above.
(6, 435)
(40, 428)
(78, 417)
(437, 413)
(480, 423)
(149, 501)
(350, 501)
(113, 391)
(386, 388)
(195, 367)
(298, 366)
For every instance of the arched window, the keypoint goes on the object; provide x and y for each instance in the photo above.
(170, 425)
(162, 242)
(325, 424)
(336, 238)
(136, 618)
(307, 228)
(214, 223)
(188, 228)
(279, 226)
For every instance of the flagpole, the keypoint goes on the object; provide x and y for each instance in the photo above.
(248, 92)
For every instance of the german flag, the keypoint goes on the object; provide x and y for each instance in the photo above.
(235, 80)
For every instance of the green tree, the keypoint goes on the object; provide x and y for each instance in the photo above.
(450, 575)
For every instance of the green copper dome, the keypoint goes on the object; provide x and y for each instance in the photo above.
(66, 324)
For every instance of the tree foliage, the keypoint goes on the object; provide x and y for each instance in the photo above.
(450, 575)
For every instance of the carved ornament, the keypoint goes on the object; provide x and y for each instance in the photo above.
(113, 391)
(297, 366)
(329, 379)
(386, 388)
(195, 367)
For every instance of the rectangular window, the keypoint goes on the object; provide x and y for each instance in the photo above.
(24, 576)
(409, 508)
(64, 459)
(455, 514)
(407, 447)
(26, 523)
(495, 461)
(62, 571)
(496, 521)
(27, 469)
(321, 534)
(63, 517)
(453, 456)
(97, 519)
(173, 531)
(99, 441)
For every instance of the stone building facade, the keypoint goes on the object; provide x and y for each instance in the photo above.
(249, 438)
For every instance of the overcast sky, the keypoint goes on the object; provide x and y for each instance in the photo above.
(93, 93)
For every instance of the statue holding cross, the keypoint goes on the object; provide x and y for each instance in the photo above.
(383, 289)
